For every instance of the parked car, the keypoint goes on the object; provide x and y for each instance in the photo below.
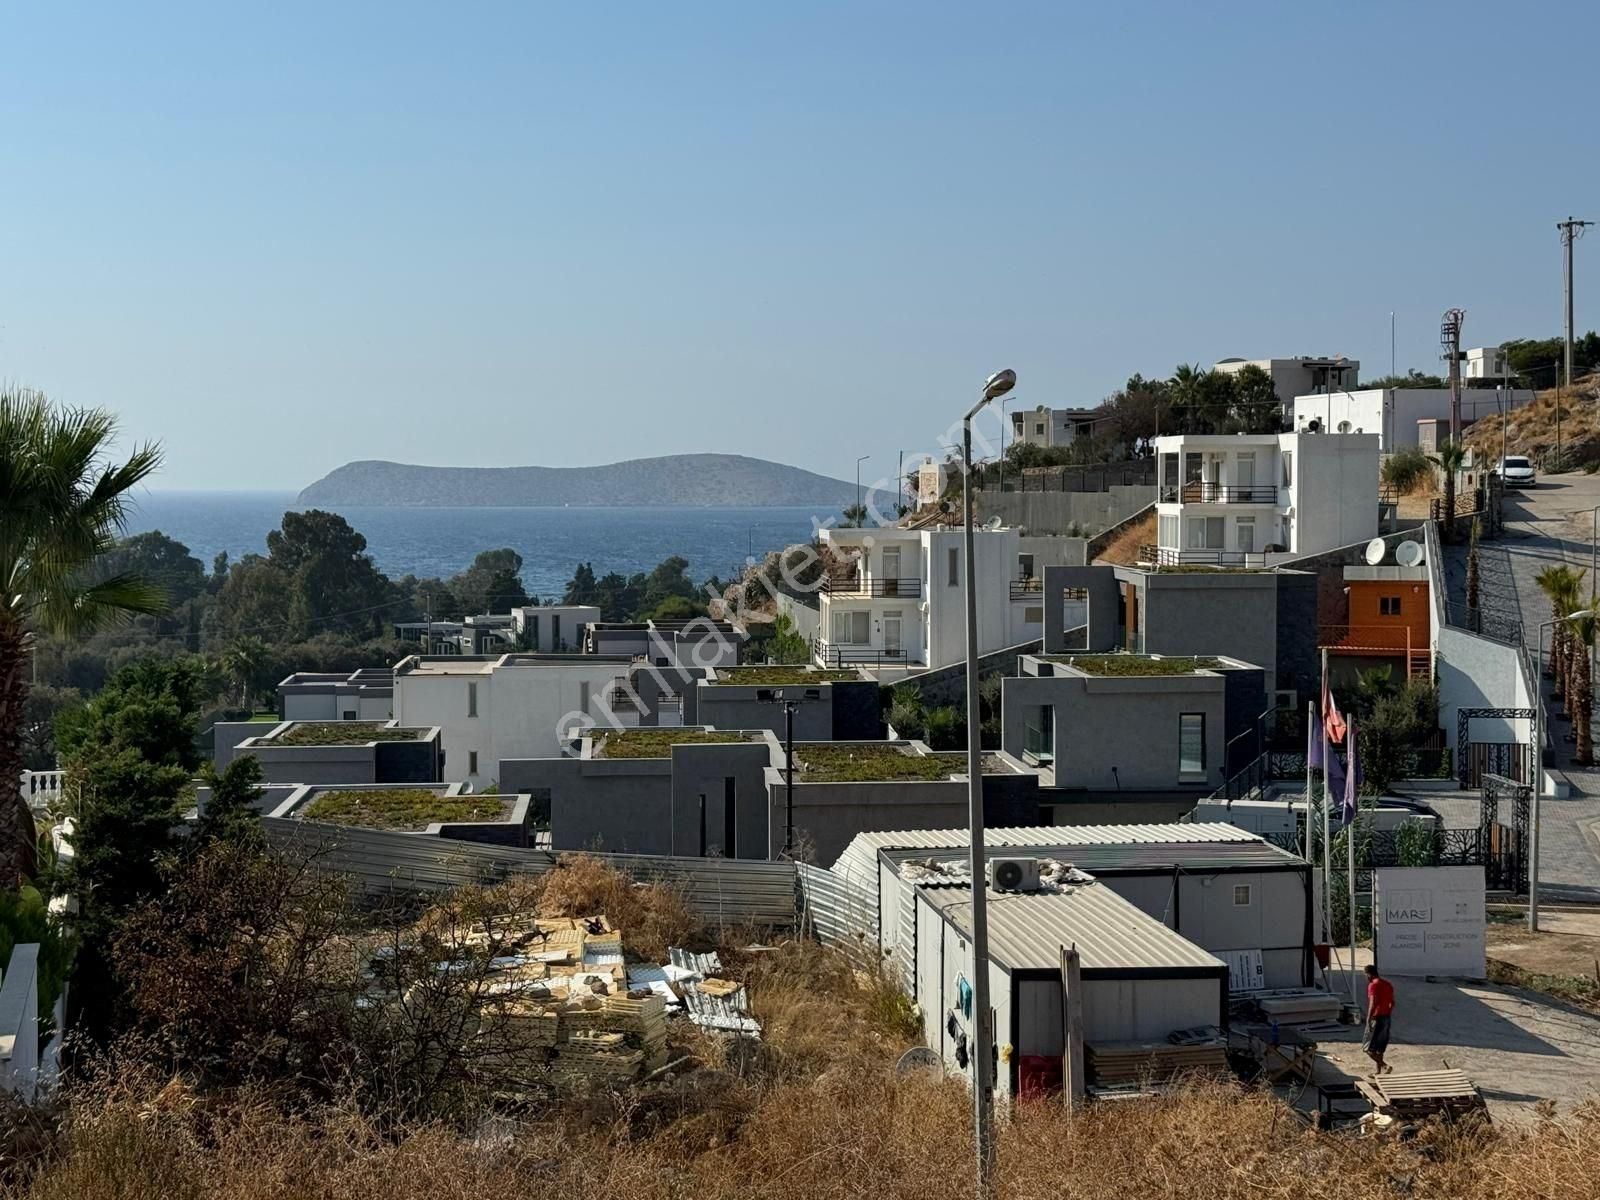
(1516, 471)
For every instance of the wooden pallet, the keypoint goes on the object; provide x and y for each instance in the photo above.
(1136, 1062)
(1417, 1095)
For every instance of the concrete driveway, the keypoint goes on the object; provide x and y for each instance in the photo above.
(1519, 1047)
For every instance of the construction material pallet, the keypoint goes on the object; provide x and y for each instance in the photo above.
(1112, 1063)
(1417, 1095)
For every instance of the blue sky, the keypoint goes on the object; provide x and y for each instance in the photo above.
(498, 235)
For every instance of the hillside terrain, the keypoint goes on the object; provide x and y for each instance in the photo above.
(676, 479)
(1533, 429)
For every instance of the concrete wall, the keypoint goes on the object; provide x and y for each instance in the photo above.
(806, 617)
(419, 761)
(1335, 490)
(948, 684)
(19, 1022)
(1059, 512)
(1393, 414)
(733, 774)
(845, 711)
(1099, 614)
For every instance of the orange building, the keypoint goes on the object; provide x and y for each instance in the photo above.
(1386, 618)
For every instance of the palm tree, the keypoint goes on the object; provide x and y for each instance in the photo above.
(63, 504)
(1562, 585)
(242, 663)
(1581, 682)
(1451, 457)
(855, 516)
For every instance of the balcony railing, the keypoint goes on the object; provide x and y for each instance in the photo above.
(855, 585)
(1166, 556)
(1027, 588)
(1220, 493)
(833, 654)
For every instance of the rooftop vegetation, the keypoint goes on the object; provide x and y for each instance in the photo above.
(866, 761)
(778, 676)
(342, 733)
(408, 809)
(658, 743)
(1133, 664)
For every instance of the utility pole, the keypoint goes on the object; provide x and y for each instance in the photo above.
(1391, 343)
(1571, 230)
(1450, 340)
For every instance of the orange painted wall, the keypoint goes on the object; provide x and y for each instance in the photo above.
(1366, 619)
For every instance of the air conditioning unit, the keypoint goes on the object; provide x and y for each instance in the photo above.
(1014, 874)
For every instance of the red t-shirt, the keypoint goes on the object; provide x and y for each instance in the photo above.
(1380, 998)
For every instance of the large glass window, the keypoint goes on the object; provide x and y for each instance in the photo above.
(852, 628)
(1206, 533)
(1191, 744)
(1167, 531)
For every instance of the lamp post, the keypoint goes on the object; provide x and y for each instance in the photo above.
(994, 387)
(790, 703)
(859, 461)
(1538, 765)
(1003, 404)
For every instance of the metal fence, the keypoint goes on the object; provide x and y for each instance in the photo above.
(722, 890)
(837, 909)
(1092, 477)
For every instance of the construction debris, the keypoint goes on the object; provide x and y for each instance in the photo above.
(1419, 1095)
(1115, 1064)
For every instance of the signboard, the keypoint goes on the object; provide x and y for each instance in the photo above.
(1244, 970)
(1429, 921)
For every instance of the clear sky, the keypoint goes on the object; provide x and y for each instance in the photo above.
(565, 234)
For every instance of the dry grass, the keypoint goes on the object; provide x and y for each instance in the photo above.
(1123, 549)
(1531, 430)
(651, 916)
(407, 809)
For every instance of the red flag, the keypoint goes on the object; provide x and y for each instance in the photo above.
(1332, 720)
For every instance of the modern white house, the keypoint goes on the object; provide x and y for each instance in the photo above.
(509, 706)
(1484, 362)
(1051, 426)
(363, 695)
(1228, 499)
(552, 628)
(1393, 413)
(896, 603)
(1299, 376)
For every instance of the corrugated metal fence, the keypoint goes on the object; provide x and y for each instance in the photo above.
(837, 910)
(726, 891)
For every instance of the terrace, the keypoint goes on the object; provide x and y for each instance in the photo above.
(1124, 665)
(341, 733)
(882, 763)
(779, 676)
(402, 810)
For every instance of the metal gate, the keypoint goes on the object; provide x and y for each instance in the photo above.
(1474, 760)
(1504, 815)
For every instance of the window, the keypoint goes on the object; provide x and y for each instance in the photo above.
(1247, 534)
(583, 696)
(533, 633)
(555, 632)
(852, 628)
(1241, 895)
(1191, 744)
(1033, 615)
(1167, 531)
(1024, 566)
(1206, 533)
(1245, 469)
(1287, 458)
(349, 714)
(472, 699)
(1038, 429)
(953, 573)
(1389, 606)
(472, 762)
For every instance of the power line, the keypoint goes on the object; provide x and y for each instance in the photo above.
(1571, 230)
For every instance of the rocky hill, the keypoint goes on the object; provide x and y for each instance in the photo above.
(676, 479)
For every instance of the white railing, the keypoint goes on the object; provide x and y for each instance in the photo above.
(40, 788)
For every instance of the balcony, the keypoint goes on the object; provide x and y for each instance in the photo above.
(1027, 588)
(1220, 560)
(834, 654)
(1220, 493)
(855, 585)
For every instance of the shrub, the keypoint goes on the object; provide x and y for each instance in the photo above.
(1407, 470)
(946, 729)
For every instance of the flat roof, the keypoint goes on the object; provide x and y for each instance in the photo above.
(861, 854)
(484, 664)
(1028, 929)
(1135, 856)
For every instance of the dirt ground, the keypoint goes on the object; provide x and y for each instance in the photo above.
(1519, 1047)
(1567, 943)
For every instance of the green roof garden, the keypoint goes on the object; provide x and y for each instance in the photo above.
(779, 676)
(849, 762)
(343, 733)
(1133, 664)
(409, 810)
(658, 742)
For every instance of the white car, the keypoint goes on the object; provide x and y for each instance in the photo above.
(1516, 471)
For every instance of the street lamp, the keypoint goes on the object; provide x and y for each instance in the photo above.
(1582, 614)
(994, 387)
(859, 461)
(1003, 404)
(790, 703)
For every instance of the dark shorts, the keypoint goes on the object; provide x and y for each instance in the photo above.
(1377, 1039)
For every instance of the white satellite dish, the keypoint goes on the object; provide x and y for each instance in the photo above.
(1409, 554)
(916, 1060)
(1376, 549)
(993, 523)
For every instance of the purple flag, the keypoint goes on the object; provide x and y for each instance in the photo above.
(1333, 786)
(1313, 745)
(1352, 777)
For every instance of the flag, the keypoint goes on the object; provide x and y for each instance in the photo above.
(1352, 780)
(1333, 780)
(1313, 744)
(1331, 718)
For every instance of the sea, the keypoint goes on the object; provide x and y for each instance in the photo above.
(442, 541)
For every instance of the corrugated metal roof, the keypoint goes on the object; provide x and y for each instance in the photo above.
(861, 855)
(1195, 857)
(1028, 929)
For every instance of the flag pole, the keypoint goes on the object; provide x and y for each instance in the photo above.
(1350, 843)
(1327, 847)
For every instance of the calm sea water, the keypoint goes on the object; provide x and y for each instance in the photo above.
(442, 541)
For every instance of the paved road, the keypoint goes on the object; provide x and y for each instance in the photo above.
(1544, 525)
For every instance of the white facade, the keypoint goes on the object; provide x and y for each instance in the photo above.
(1484, 362)
(902, 605)
(1227, 499)
(1393, 413)
(1293, 377)
(553, 628)
(514, 706)
(1051, 426)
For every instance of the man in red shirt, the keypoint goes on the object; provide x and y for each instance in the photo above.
(1380, 1007)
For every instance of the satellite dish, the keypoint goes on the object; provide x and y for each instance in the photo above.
(918, 1058)
(993, 523)
(1409, 554)
(1376, 549)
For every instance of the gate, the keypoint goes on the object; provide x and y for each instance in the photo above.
(1504, 815)
(1511, 761)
